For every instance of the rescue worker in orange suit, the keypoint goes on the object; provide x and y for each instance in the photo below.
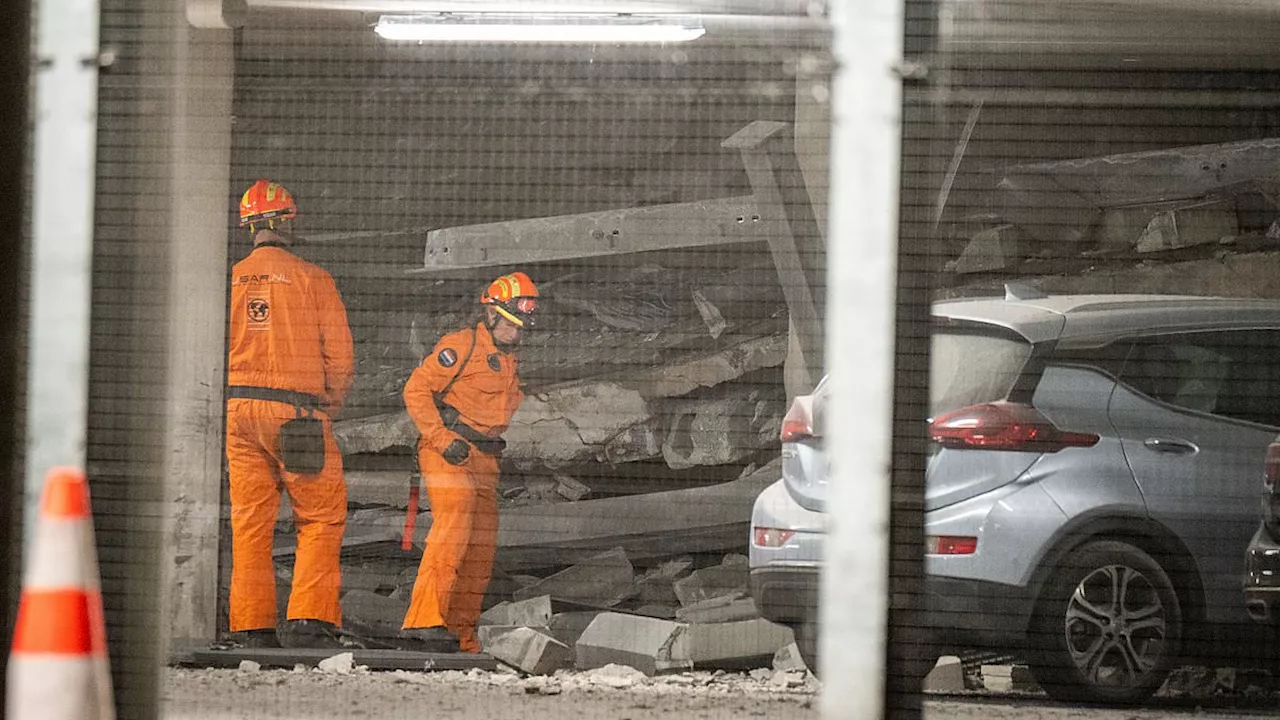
(290, 356)
(462, 398)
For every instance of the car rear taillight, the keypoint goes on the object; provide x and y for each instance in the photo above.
(1004, 426)
(950, 545)
(798, 424)
(1271, 473)
(772, 537)
(1271, 480)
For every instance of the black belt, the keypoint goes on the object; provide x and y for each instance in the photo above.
(450, 416)
(288, 397)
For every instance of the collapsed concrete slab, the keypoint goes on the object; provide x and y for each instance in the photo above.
(601, 581)
(737, 645)
(654, 525)
(991, 250)
(1200, 223)
(649, 645)
(1060, 201)
(567, 627)
(530, 651)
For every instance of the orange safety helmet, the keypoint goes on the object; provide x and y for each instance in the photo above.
(514, 297)
(266, 201)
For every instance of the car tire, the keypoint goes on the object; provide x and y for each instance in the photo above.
(1107, 627)
(806, 635)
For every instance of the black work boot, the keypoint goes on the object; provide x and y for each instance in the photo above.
(436, 639)
(256, 639)
(311, 634)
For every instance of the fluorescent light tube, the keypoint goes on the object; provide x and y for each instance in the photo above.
(545, 28)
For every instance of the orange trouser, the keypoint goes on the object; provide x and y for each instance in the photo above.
(458, 559)
(319, 511)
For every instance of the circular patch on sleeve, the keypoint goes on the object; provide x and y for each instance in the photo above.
(494, 363)
(447, 357)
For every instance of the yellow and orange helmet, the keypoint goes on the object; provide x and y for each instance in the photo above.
(266, 201)
(514, 297)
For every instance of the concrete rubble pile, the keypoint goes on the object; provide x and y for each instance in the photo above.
(1076, 217)
(653, 404)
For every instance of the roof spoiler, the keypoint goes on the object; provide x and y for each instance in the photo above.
(1019, 291)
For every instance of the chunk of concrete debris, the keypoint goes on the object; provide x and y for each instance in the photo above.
(721, 430)
(369, 613)
(488, 634)
(571, 489)
(716, 324)
(615, 676)
(531, 651)
(997, 678)
(788, 658)
(726, 608)
(946, 677)
(567, 627)
(990, 250)
(1024, 680)
(736, 645)
(655, 585)
(786, 680)
(532, 612)
(1198, 224)
(649, 645)
(713, 582)
(340, 664)
(666, 612)
(249, 666)
(603, 581)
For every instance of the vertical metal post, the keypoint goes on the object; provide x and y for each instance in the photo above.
(66, 99)
(862, 265)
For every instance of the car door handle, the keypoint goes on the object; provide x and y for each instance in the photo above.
(1170, 445)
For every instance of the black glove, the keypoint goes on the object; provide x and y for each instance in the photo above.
(457, 452)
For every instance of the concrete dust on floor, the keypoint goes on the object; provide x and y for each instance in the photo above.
(610, 693)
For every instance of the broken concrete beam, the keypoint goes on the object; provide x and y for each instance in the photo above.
(709, 370)
(651, 525)
(655, 585)
(737, 645)
(602, 581)
(567, 627)
(570, 423)
(726, 608)
(605, 232)
(713, 582)
(486, 634)
(1197, 224)
(533, 612)
(530, 651)
(721, 430)
(946, 677)
(368, 613)
(991, 250)
(649, 645)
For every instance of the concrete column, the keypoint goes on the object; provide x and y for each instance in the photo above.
(200, 172)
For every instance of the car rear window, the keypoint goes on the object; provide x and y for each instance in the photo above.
(968, 368)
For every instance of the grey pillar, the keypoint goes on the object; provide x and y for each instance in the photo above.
(200, 174)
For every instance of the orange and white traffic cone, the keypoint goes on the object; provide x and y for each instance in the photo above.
(58, 666)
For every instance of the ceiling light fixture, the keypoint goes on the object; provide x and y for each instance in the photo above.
(545, 28)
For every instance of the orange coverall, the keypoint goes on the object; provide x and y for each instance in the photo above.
(288, 332)
(458, 559)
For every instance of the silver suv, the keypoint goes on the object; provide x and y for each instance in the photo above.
(1092, 484)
